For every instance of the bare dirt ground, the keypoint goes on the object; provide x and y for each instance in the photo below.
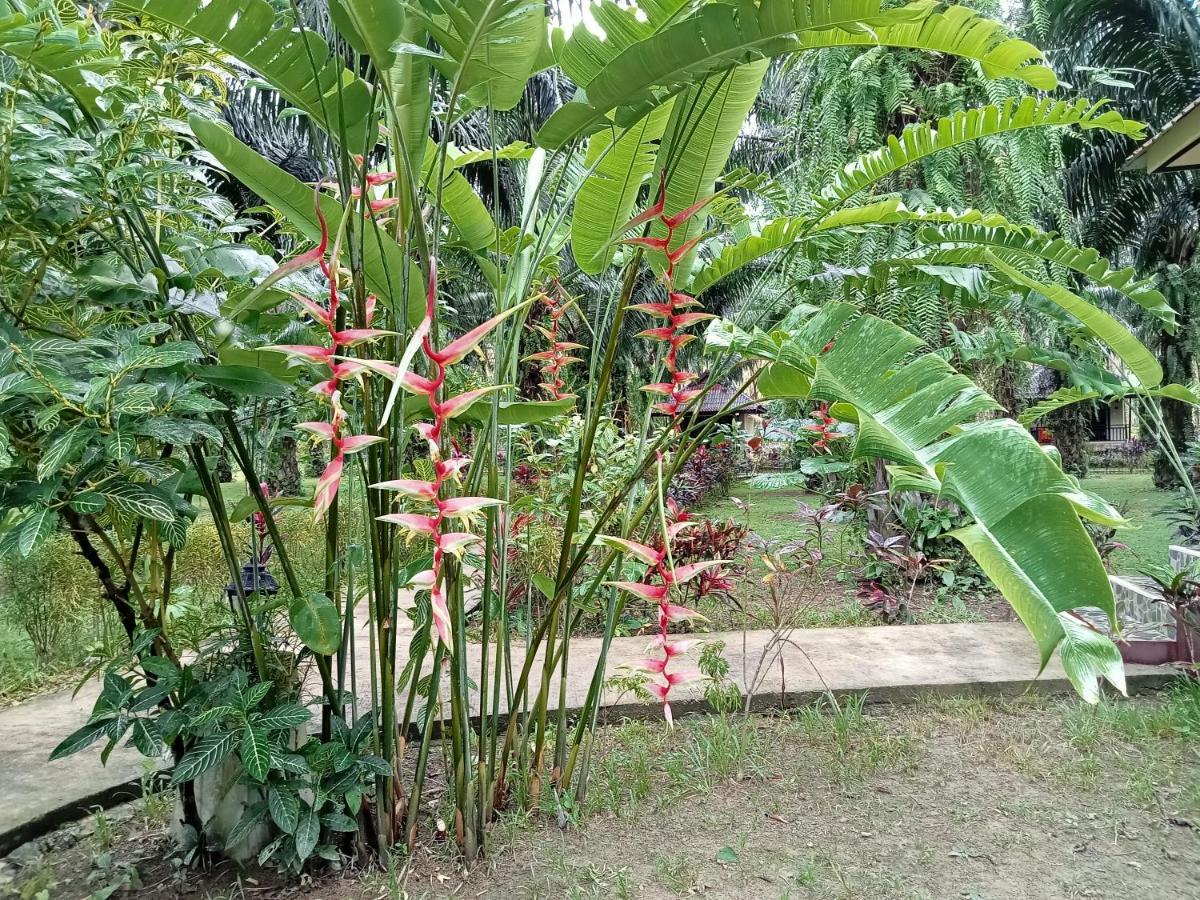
(1033, 798)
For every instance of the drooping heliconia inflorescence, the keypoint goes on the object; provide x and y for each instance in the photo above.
(447, 468)
(825, 426)
(675, 392)
(662, 575)
(331, 357)
(558, 357)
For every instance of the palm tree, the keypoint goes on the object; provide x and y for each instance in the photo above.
(1146, 54)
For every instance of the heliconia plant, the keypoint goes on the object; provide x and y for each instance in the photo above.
(331, 357)
(558, 356)
(675, 311)
(594, 155)
(447, 468)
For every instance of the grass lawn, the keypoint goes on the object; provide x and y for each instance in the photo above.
(1151, 531)
(1032, 797)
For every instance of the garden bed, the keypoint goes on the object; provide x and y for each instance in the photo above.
(1027, 798)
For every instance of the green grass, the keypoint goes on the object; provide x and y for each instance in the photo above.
(771, 513)
(1143, 505)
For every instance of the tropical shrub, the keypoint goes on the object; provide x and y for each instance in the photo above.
(118, 416)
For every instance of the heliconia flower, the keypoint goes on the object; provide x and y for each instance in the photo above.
(458, 348)
(464, 507)
(357, 442)
(676, 613)
(315, 256)
(681, 300)
(409, 487)
(352, 336)
(648, 555)
(375, 179)
(684, 249)
(674, 679)
(460, 403)
(673, 222)
(650, 243)
(441, 615)
(372, 304)
(316, 310)
(450, 468)
(662, 387)
(423, 580)
(417, 384)
(378, 206)
(323, 430)
(655, 210)
(456, 541)
(327, 486)
(665, 333)
(414, 522)
(651, 664)
(655, 592)
(311, 353)
(684, 574)
(686, 320)
(662, 310)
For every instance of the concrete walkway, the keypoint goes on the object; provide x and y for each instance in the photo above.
(892, 663)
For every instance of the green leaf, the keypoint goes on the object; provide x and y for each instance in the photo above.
(705, 123)
(298, 63)
(339, 822)
(285, 808)
(384, 261)
(490, 47)
(721, 36)
(519, 412)
(545, 584)
(251, 818)
(727, 856)
(308, 832)
(1140, 361)
(316, 622)
(242, 381)
(60, 450)
(146, 738)
(778, 381)
(255, 752)
(460, 203)
(1013, 243)
(606, 198)
(79, 739)
(775, 235)
(34, 529)
(921, 140)
(88, 503)
(287, 716)
(918, 413)
(138, 500)
(210, 751)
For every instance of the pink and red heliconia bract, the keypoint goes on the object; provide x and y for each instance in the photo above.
(558, 357)
(446, 469)
(328, 356)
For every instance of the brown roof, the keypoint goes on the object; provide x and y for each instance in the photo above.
(719, 396)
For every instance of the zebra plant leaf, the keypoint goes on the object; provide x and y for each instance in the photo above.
(916, 412)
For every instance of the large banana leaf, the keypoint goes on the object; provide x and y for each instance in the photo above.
(918, 413)
(1069, 396)
(704, 125)
(1011, 242)
(775, 235)
(298, 64)
(384, 262)
(489, 47)
(606, 198)
(1140, 361)
(459, 201)
(921, 140)
(720, 36)
(584, 54)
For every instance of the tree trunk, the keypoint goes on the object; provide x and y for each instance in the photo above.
(224, 469)
(1071, 429)
(289, 466)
